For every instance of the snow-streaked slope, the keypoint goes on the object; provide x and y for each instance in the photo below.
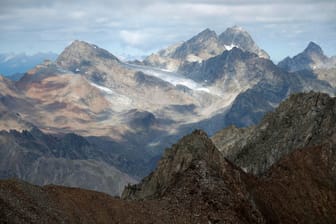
(122, 101)
(170, 77)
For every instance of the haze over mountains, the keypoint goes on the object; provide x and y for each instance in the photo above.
(13, 65)
(123, 114)
(312, 59)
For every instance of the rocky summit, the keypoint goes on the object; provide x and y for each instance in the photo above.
(312, 61)
(310, 58)
(304, 120)
(203, 46)
(195, 183)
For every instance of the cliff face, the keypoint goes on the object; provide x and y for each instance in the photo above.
(302, 120)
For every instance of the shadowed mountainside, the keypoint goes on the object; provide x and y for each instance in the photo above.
(194, 189)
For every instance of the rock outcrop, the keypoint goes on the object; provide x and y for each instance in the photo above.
(301, 121)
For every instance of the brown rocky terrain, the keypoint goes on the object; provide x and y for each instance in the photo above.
(300, 188)
(193, 183)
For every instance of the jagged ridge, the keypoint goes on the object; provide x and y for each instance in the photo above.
(302, 120)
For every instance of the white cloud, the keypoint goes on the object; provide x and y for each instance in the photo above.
(147, 25)
(77, 14)
(133, 38)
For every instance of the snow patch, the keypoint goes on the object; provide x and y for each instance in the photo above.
(170, 77)
(114, 98)
(102, 88)
(229, 47)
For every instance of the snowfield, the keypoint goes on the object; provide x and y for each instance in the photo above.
(173, 78)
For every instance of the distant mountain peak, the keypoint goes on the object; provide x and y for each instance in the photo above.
(82, 48)
(203, 46)
(236, 28)
(312, 57)
(207, 32)
(80, 53)
(313, 48)
(204, 36)
(238, 37)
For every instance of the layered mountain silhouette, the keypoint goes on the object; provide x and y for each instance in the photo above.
(194, 182)
(68, 160)
(313, 60)
(310, 58)
(129, 113)
(15, 65)
(203, 46)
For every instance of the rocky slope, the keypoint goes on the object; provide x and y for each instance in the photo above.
(300, 188)
(255, 85)
(194, 183)
(67, 160)
(203, 46)
(61, 99)
(310, 58)
(313, 60)
(250, 106)
(304, 120)
(238, 37)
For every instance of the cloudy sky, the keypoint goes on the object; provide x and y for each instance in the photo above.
(139, 27)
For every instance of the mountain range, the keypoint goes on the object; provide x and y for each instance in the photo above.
(14, 65)
(89, 114)
(203, 46)
(312, 59)
(197, 182)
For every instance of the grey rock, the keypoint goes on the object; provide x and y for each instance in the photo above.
(203, 46)
(69, 160)
(190, 150)
(305, 119)
(238, 37)
(309, 59)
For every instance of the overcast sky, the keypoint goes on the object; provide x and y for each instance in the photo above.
(139, 27)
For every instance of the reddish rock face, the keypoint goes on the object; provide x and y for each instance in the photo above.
(301, 188)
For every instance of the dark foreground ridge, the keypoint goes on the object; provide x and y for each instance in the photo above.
(194, 183)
